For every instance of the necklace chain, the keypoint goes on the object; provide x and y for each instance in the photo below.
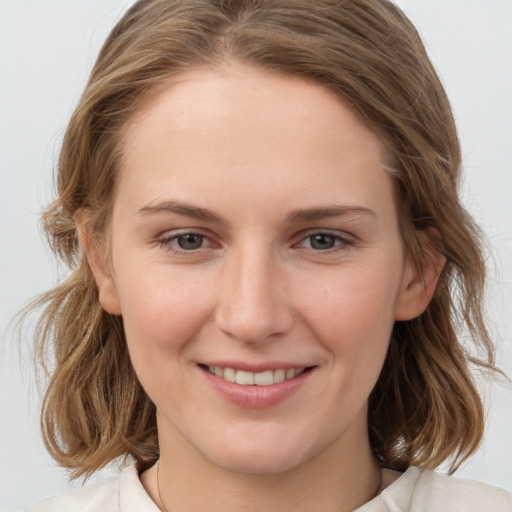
(158, 486)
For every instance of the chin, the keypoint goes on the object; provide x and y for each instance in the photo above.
(257, 458)
(260, 464)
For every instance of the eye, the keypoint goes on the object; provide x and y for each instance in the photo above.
(324, 241)
(185, 242)
(189, 241)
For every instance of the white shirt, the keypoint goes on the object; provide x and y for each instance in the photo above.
(415, 490)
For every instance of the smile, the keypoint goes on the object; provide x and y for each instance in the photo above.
(264, 378)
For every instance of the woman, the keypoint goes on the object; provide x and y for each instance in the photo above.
(259, 204)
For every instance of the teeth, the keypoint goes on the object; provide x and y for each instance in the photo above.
(229, 375)
(279, 376)
(266, 378)
(244, 378)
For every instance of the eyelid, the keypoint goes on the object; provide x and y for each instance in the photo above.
(345, 238)
(166, 241)
(326, 231)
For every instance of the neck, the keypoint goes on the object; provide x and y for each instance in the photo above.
(339, 479)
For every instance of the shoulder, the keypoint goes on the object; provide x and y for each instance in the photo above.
(100, 496)
(440, 492)
(122, 493)
(421, 490)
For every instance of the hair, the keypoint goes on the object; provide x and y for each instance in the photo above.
(425, 408)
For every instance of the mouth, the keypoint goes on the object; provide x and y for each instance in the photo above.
(264, 387)
(263, 378)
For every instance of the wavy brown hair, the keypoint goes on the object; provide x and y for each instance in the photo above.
(425, 408)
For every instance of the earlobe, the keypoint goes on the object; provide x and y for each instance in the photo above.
(419, 285)
(94, 252)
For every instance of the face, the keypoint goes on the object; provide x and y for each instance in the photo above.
(257, 263)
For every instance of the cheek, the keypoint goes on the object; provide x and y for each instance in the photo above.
(353, 317)
(162, 317)
(354, 301)
(162, 312)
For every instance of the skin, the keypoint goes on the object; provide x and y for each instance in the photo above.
(274, 160)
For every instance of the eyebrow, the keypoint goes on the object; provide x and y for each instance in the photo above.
(310, 214)
(300, 215)
(180, 208)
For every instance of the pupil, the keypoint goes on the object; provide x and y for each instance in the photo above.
(322, 241)
(190, 241)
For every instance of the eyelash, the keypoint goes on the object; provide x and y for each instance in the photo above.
(167, 242)
(341, 243)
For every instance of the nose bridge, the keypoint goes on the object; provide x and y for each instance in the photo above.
(252, 305)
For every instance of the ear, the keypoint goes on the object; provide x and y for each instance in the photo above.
(419, 285)
(95, 253)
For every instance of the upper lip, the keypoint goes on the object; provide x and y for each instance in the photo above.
(255, 367)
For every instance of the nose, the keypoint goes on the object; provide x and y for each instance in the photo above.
(253, 305)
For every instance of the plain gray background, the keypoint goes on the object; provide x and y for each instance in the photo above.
(47, 48)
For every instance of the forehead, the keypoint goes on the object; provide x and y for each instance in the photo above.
(236, 127)
(252, 97)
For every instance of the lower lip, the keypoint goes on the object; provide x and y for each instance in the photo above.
(256, 397)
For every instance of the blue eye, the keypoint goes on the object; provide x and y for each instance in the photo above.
(189, 241)
(322, 241)
(184, 242)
